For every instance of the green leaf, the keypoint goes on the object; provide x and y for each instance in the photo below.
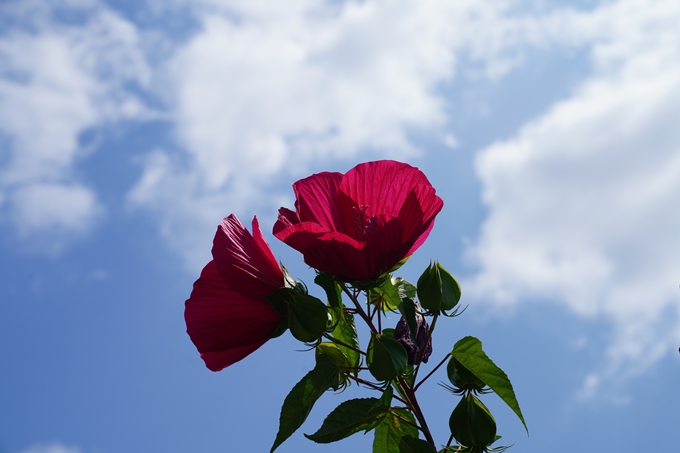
(345, 330)
(348, 418)
(391, 429)
(301, 399)
(386, 357)
(468, 351)
(333, 291)
(332, 350)
(292, 283)
(411, 444)
(406, 290)
(386, 294)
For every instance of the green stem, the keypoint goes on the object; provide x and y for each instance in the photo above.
(432, 372)
(342, 343)
(415, 408)
(422, 352)
(360, 310)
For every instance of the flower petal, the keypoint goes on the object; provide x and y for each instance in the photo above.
(382, 186)
(338, 254)
(418, 212)
(247, 264)
(300, 235)
(219, 360)
(224, 325)
(317, 200)
(384, 247)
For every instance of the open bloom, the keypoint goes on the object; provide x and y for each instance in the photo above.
(227, 315)
(359, 225)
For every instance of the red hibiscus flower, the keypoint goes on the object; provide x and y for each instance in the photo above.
(359, 225)
(227, 315)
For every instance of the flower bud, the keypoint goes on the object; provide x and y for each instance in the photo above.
(472, 424)
(437, 289)
(307, 316)
(386, 357)
(415, 349)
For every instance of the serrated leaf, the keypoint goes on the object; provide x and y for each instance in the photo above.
(362, 414)
(387, 294)
(406, 289)
(345, 330)
(332, 289)
(409, 444)
(304, 394)
(391, 429)
(468, 351)
(332, 350)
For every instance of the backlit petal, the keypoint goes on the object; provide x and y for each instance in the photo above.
(299, 236)
(419, 210)
(246, 264)
(338, 254)
(317, 200)
(220, 320)
(383, 186)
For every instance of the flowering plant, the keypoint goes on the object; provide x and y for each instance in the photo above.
(355, 230)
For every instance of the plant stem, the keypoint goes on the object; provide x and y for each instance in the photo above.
(422, 352)
(342, 343)
(376, 387)
(417, 412)
(408, 422)
(360, 310)
(432, 372)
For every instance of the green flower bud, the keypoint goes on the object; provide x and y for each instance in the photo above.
(472, 424)
(437, 289)
(307, 316)
(386, 357)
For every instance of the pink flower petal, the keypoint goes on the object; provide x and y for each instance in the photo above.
(244, 262)
(219, 360)
(317, 200)
(419, 209)
(222, 323)
(384, 246)
(299, 236)
(383, 186)
(377, 215)
(332, 252)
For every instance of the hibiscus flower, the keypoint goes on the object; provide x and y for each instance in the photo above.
(360, 225)
(227, 315)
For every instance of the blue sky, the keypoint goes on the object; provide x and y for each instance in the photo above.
(129, 129)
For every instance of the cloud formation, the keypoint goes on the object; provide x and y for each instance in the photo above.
(58, 80)
(262, 90)
(583, 199)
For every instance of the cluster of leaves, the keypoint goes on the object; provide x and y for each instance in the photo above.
(395, 417)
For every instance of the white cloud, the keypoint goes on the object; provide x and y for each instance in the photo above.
(583, 200)
(51, 448)
(57, 81)
(267, 89)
